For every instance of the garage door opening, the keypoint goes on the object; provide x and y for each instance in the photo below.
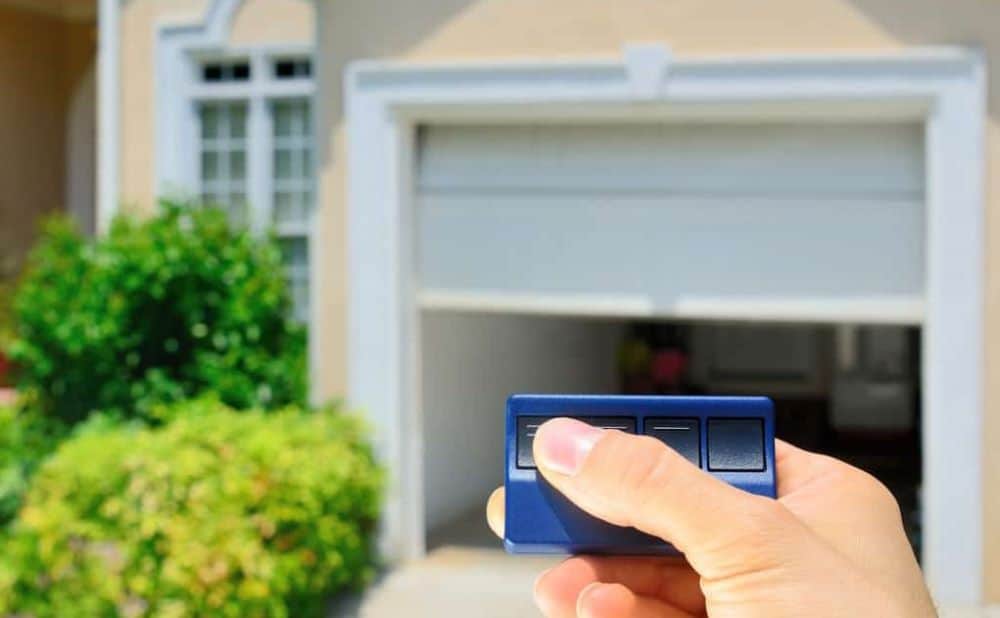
(851, 391)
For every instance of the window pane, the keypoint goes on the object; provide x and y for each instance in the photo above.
(282, 120)
(292, 68)
(283, 164)
(209, 165)
(237, 165)
(238, 120)
(307, 201)
(300, 298)
(209, 121)
(306, 119)
(307, 163)
(284, 207)
(284, 69)
(236, 206)
(212, 72)
(241, 71)
(295, 253)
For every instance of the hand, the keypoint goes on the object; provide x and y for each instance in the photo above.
(832, 544)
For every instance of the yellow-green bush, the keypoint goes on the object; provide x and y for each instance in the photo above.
(215, 513)
(26, 438)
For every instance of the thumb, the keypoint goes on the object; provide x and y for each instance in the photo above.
(638, 481)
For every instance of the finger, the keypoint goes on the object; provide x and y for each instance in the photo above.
(796, 467)
(669, 580)
(600, 600)
(495, 511)
(638, 481)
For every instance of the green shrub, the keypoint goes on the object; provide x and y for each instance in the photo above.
(215, 513)
(6, 328)
(158, 310)
(26, 438)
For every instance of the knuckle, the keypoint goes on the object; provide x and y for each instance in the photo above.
(871, 490)
(881, 497)
(646, 474)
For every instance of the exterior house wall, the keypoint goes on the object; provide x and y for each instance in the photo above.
(139, 22)
(43, 60)
(256, 22)
(491, 29)
(274, 21)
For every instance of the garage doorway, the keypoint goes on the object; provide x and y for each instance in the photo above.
(851, 391)
(723, 214)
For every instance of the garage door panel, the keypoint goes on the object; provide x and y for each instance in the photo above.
(668, 248)
(833, 159)
(816, 214)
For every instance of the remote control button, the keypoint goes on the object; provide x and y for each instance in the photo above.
(681, 434)
(527, 427)
(736, 444)
(621, 423)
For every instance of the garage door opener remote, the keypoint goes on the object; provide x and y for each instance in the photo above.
(731, 438)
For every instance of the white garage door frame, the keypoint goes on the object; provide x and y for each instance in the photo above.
(944, 88)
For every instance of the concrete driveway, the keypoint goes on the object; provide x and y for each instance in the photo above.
(458, 581)
(468, 574)
(468, 581)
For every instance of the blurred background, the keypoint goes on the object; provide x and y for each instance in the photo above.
(270, 268)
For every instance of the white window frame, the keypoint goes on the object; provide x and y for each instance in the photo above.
(258, 92)
(181, 51)
(944, 89)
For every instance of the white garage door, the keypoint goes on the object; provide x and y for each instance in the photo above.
(674, 219)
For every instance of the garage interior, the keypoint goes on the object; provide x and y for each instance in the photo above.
(849, 391)
(785, 259)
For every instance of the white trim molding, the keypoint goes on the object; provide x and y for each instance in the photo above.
(942, 88)
(108, 117)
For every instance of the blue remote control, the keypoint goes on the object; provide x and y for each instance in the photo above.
(730, 437)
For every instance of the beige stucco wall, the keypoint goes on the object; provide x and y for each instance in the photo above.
(139, 22)
(463, 29)
(256, 22)
(274, 21)
(42, 61)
